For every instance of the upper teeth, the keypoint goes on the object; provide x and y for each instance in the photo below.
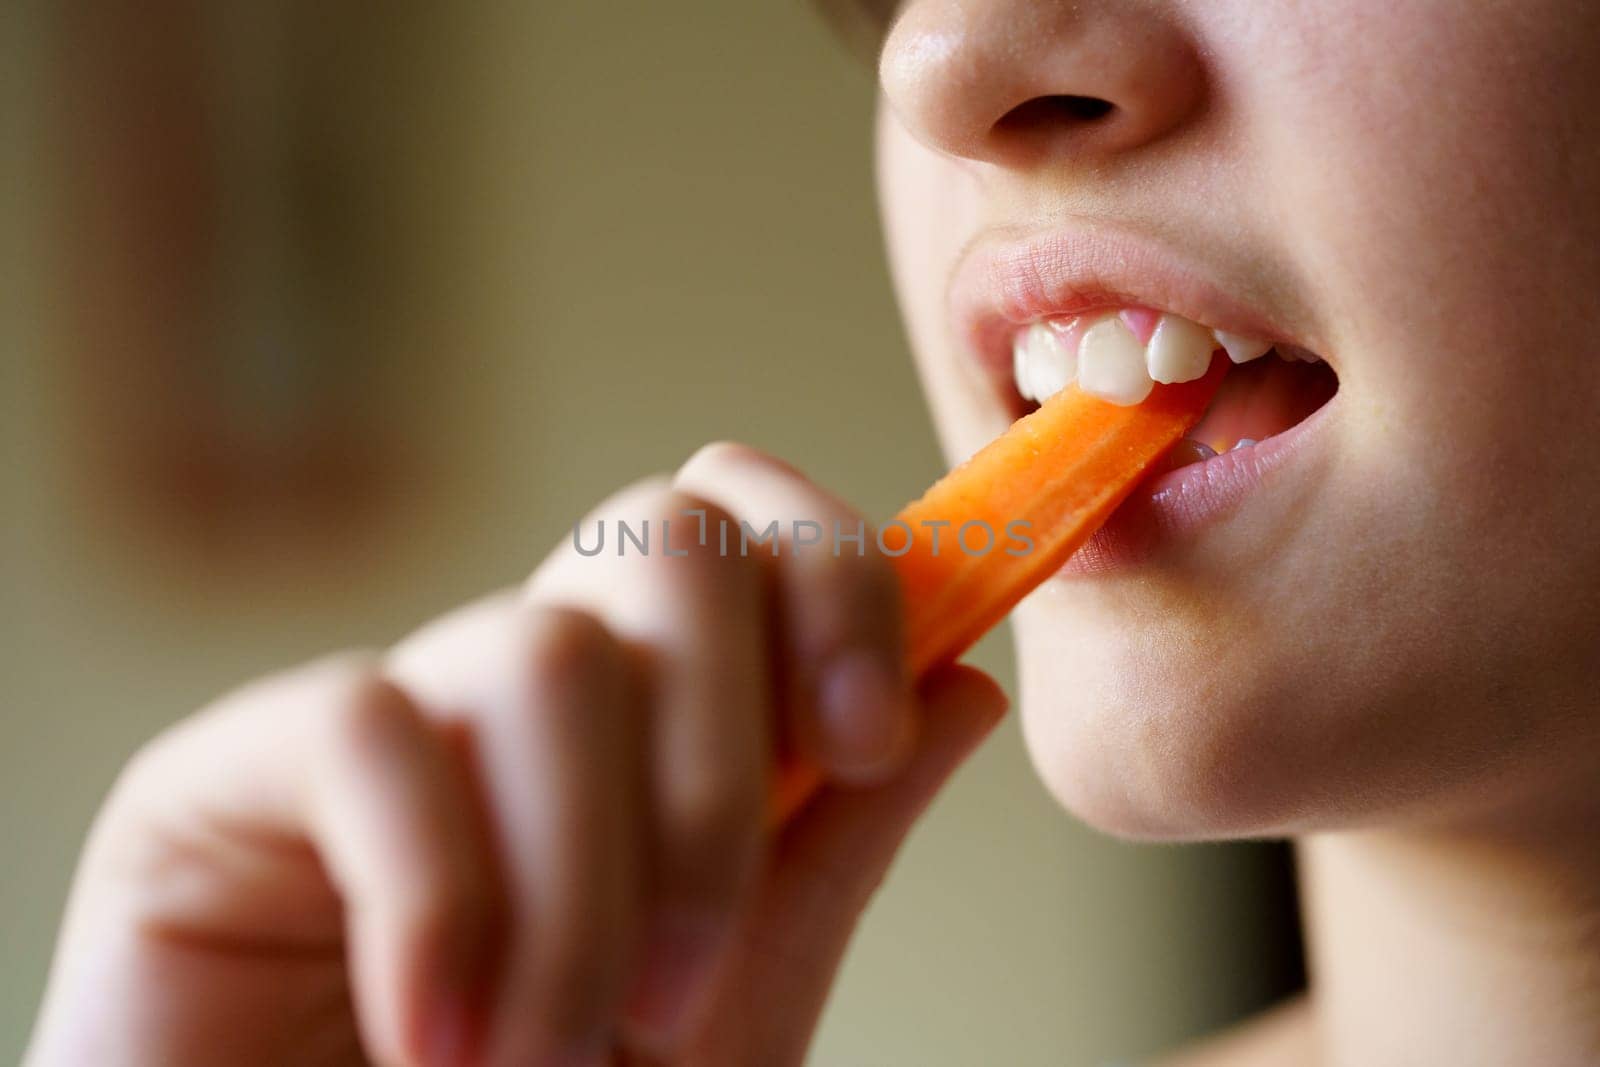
(1112, 363)
(1242, 349)
(1043, 361)
(1106, 359)
(1179, 350)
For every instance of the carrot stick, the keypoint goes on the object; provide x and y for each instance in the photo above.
(1059, 472)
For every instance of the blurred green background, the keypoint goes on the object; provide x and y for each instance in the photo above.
(318, 318)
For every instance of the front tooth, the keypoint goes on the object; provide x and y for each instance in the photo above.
(1111, 364)
(1042, 362)
(1019, 367)
(1242, 349)
(1179, 350)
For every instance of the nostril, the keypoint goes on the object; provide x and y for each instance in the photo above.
(1043, 112)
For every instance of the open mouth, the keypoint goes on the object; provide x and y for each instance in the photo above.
(1121, 353)
(1118, 311)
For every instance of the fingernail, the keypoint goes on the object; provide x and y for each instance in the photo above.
(864, 725)
(674, 978)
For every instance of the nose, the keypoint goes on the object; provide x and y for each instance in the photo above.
(1015, 82)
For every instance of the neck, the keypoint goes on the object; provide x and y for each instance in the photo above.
(1459, 948)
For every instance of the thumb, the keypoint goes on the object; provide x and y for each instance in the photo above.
(823, 872)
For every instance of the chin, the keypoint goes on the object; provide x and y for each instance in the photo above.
(1150, 721)
(1164, 736)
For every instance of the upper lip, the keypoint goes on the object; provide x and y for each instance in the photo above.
(1004, 280)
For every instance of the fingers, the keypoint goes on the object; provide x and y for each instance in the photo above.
(697, 622)
(392, 814)
(335, 755)
(847, 697)
(827, 865)
(559, 748)
(543, 815)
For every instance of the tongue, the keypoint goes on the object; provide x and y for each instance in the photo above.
(1263, 397)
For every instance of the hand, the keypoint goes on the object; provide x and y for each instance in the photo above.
(533, 832)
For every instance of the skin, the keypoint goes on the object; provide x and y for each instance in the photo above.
(533, 832)
(1432, 266)
(1390, 647)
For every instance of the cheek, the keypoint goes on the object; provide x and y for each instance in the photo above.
(932, 207)
(1435, 175)
(925, 221)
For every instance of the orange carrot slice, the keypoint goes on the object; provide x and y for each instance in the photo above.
(1053, 478)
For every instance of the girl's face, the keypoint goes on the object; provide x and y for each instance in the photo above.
(1389, 607)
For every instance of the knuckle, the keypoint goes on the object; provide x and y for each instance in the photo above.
(715, 458)
(360, 723)
(564, 642)
(128, 838)
(147, 768)
(564, 651)
(700, 548)
(696, 525)
(558, 575)
(366, 711)
(705, 521)
(651, 498)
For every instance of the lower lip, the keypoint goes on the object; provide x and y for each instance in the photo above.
(1177, 506)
